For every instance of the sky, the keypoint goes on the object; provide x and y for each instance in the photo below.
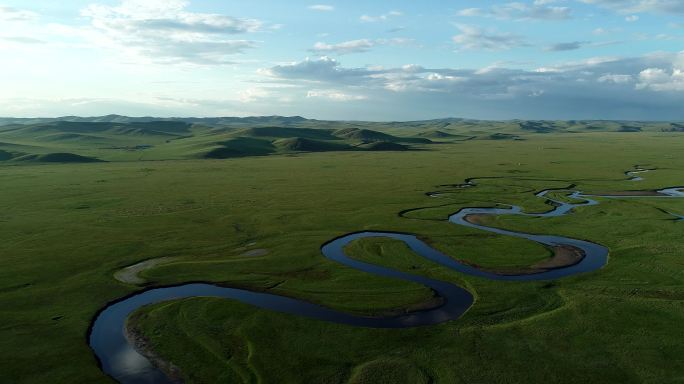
(344, 60)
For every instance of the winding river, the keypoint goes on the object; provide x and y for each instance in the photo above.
(634, 175)
(119, 358)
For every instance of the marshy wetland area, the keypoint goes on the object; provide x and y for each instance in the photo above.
(287, 250)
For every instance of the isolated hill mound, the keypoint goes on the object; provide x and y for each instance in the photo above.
(441, 135)
(4, 155)
(538, 126)
(300, 144)
(502, 136)
(237, 147)
(674, 127)
(383, 146)
(629, 128)
(58, 157)
(281, 132)
(436, 134)
(363, 135)
(369, 136)
(155, 128)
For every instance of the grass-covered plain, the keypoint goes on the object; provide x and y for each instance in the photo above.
(67, 228)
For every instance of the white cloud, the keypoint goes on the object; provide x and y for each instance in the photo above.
(638, 6)
(661, 80)
(324, 69)
(356, 46)
(617, 79)
(631, 18)
(21, 40)
(253, 94)
(353, 46)
(644, 87)
(334, 95)
(539, 10)
(164, 31)
(161, 106)
(383, 17)
(592, 84)
(605, 31)
(474, 38)
(14, 14)
(321, 7)
(472, 12)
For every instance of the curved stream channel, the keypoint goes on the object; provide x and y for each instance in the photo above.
(634, 175)
(119, 358)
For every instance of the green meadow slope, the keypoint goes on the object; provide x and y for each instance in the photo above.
(74, 141)
(121, 138)
(249, 203)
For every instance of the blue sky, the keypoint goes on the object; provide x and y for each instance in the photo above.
(379, 60)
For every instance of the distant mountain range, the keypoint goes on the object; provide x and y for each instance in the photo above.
(146, 119)
(532, 125)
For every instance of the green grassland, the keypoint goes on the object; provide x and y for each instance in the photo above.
(289, 185)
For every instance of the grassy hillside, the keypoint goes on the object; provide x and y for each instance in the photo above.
(121, 138)
(56, 158)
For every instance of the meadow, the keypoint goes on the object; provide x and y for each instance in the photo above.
(257, 219)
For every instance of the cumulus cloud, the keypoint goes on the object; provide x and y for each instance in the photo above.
(383, 17)
(539, 10)
(639, 87)
(645, 87)
(485, 82)
(162, 30)
(662, 80)
(322, 7)
(324, 69)
(472, 37)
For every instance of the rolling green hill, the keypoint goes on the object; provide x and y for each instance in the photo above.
(121, 138)
(237, 147)
(57, 158)
(300, 144)
(116, 138)
(384, 146)
(281, 132)
(4, 155)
